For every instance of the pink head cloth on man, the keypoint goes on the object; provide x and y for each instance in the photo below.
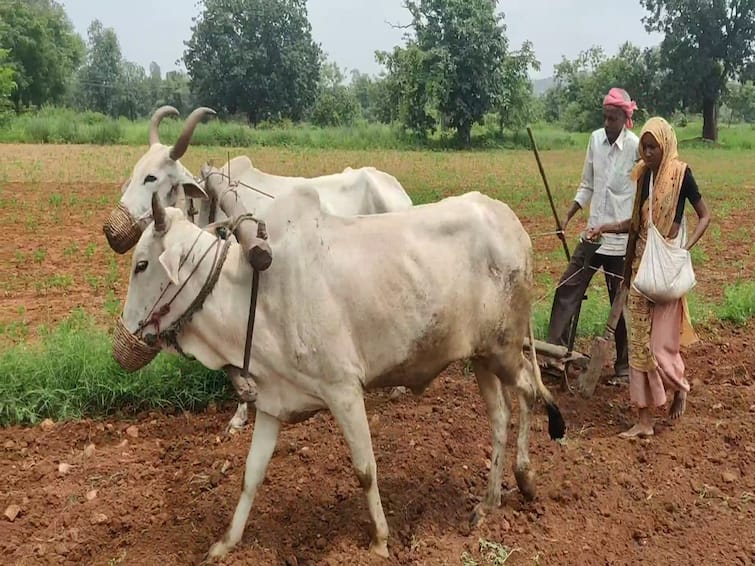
(619, 98)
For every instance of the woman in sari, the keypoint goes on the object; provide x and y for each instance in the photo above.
(657, 331)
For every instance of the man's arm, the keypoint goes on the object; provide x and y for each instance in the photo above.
(585, 190)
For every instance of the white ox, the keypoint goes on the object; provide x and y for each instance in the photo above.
(366, 190)
(351, 304)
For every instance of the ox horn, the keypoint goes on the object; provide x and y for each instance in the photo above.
(158, 214)
(182, 143)
(157, 117)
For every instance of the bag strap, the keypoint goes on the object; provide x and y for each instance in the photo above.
(650, 199)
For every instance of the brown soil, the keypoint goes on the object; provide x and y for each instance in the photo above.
(686, 496)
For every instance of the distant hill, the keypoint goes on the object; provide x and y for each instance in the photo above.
(541, 85)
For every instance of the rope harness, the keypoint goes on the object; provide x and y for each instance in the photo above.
(170, 334)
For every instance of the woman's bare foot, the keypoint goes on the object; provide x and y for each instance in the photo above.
(678, 406)
(638, 431)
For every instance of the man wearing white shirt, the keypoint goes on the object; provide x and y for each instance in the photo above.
(609, 191)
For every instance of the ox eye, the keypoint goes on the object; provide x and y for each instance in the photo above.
(150, 179)
(140, 266)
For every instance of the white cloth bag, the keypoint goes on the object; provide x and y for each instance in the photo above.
(665, 272)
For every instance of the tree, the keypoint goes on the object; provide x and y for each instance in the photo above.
(44, 50)
(408, 96)
(706, 43)
(255, 57)
(335, 104)
(7, 84)
(463, 45)
(101, 77)
(516, 101)
(576, 99)
(741, 101)
(133, 91)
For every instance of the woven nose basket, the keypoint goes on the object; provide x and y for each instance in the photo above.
(121, 230)
(131, 353)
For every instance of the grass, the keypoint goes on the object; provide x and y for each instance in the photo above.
(70, 373)
(52, 125)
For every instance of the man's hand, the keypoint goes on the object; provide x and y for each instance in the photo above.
(594, 233)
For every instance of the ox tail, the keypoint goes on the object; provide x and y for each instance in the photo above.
(556, 424)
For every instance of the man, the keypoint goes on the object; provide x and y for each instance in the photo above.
(607, 188)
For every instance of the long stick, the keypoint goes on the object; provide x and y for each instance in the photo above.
(560, 228)
(561, 236)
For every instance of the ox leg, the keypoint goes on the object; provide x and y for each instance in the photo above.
(352, 418)
(498, 407)
(246, 389)
(264, 439)
(525, 478)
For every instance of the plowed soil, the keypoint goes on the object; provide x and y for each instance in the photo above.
(163, 487)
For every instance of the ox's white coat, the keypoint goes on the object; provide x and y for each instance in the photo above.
(357, 303)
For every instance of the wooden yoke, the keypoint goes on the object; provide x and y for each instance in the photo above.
(254, 243)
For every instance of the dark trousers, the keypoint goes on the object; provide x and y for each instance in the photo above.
(569, 295)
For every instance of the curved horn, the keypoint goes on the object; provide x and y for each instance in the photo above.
(158, 214)
(157, 117)
(182, 143)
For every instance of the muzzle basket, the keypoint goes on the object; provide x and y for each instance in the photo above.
(130, 352)
(121, 230)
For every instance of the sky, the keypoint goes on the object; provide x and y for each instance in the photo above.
(350, 31)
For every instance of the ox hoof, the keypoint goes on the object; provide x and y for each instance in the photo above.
(217, 550)
(481, 511)
(525, 479)
(380, 548)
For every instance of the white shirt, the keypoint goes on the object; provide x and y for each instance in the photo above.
(607, 186)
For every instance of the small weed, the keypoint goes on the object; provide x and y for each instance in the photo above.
(94, 281)
(39, 255)
(739, 302)
(71, 250)
(56, 281)
(20, 256)
(698, 255)
(90, 249)
(492, 553)
(55, 200)
(16, 330)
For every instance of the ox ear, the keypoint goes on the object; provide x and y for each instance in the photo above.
(192, 190)
(170, 259)
(191, 187)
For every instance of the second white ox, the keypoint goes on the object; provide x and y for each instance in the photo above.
(351, 304)
(160, 172)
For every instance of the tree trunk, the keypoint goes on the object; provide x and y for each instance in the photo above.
(710, 119)
(464, 131)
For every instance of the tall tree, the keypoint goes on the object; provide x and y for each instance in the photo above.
(706, 43)
(464, 45)
(516, 100)
(44, 49)
(7, 84)
(101, 77)
(255, 57)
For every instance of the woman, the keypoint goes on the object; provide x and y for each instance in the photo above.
(657, 331)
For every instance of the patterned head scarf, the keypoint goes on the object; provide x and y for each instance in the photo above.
(665, 136)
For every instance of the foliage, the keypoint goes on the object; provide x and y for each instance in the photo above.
(463, 45)
(577, 98)
(255, 57)
(516, 104)
(44, 50)
(336, 104)
(706, 43)
(408, 90)
(7, 85)
(100, 79)
(741, 102)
